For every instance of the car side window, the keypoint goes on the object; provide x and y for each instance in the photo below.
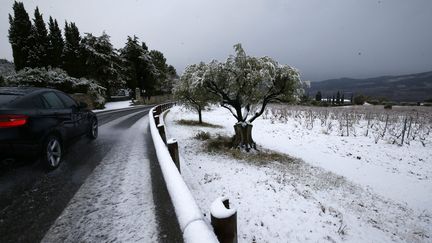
(68, 101)
(37, 102)
(52, 101)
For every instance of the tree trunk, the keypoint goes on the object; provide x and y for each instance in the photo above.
(199, 116)
(243, 136)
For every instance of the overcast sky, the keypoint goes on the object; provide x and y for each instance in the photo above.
(322, 38)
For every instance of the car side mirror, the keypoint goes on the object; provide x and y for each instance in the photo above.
(82, 105)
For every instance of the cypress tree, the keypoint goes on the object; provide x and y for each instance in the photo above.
(318, 96)
(38, 40)
(338, 98)
(56, 44)
(19, 32)
(73, 63)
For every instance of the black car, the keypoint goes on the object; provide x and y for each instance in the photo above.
(40, 122)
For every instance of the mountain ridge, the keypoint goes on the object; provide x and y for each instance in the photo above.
(406, 87)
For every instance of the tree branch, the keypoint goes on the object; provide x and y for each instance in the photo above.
(227, 107)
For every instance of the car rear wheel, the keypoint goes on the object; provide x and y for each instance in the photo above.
(93, 130)
(52, 152)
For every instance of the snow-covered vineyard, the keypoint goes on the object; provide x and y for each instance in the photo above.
(354, 174)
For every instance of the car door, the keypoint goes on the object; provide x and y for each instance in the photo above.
(78, 115)
(62, 113)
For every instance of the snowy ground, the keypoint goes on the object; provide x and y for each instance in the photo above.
(340, 189)
(116, 105)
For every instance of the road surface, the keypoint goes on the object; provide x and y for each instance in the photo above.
(109, 189)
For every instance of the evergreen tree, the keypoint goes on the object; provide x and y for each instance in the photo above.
(318, 96)
(102, 62)
(138, 67)
(55, 44)
(338, 98)
(19, 32)
(72, 59)
(38, 41)
(162, 81)
(144, 46)
(172, 72)
(343, 99)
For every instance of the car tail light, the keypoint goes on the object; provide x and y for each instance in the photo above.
(7, 121)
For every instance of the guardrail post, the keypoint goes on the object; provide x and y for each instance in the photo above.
(224, 221)
(174, 152)
(158, 109)
(161, 129)
(156, 118)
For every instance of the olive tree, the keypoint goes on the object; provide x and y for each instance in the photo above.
(192, 94)
(245, 85)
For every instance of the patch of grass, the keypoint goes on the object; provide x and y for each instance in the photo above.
(201, 135)
(224, 145)
(196, 123)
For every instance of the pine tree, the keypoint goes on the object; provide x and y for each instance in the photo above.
(38, 40)
(172, 72)
(19, 31)
(72, 59)
(343, 99)
(102, 62)
(162, 81)
(56, 44)
(144, 46)
(138, 67)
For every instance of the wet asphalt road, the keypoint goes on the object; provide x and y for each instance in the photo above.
(32, 198)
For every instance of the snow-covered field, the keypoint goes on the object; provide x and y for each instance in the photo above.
(339, 189)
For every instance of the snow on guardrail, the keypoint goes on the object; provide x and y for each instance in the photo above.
(190, 218)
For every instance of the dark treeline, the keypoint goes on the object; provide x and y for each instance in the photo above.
(36, 44)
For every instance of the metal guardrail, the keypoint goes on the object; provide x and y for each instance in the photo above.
(191, 221)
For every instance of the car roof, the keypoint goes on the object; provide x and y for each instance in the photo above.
(22, 90)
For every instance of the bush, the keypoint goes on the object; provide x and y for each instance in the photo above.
(388, 106)
(58, 79)
(427, 104)
(325, 104)
(201, 135)
(315, 103)
(359, 100)
(196, 123)
(373, 102)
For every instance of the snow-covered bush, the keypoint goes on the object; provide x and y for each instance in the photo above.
(58, 79)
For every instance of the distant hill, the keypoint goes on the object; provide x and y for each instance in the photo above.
(411, 87)
(6, 68)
